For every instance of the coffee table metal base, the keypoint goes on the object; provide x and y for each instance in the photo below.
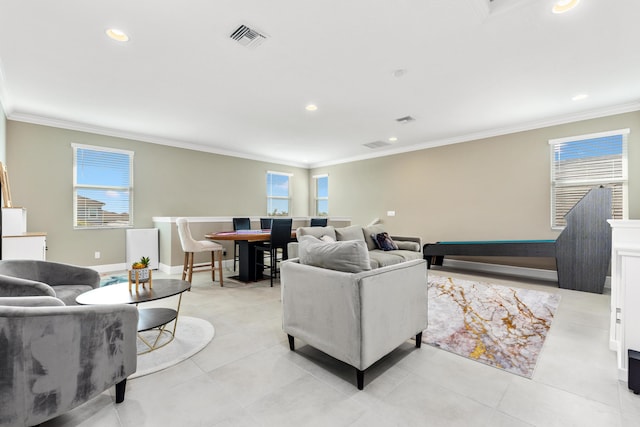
(156, 318)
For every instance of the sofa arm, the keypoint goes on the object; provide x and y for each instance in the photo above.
(69, 353)
(408, 239)
(17, 287)
(66, 274)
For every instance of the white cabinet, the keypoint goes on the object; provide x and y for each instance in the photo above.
(625, 291)
(16, 242)
(25, 246)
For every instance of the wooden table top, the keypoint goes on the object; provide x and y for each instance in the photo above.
(119, 293)
(251, 235)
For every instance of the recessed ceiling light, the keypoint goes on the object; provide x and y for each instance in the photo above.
(400, 72)
(393, 139)
(311, 107)
(580, 97)
(117, 35)
(562, 6)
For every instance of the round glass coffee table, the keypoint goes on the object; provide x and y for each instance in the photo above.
(148, 318)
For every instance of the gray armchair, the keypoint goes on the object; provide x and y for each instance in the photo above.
(355, 317)
(55, 357)
(45, 278)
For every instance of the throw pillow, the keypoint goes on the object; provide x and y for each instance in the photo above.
(384, 242)
(371, 240)
(328, 239)
(349, 256)
(352, 232)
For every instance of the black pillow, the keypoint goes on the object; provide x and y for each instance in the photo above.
(384, 242)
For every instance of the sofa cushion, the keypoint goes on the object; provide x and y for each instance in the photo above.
(352, 232)
(350, 256)
(380, 258)
(372, 230)
(384, 242)
(318, 232)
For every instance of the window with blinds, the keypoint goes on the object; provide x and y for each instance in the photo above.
(322, 195)
(583, 162)
(278, 194)
(102, 187)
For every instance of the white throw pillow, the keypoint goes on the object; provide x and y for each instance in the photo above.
(349, 256)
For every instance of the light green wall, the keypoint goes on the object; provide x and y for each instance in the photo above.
(3, 137)
(168, 181)
(494, 188)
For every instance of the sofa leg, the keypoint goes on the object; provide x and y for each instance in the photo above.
(292, 347)
(120, 388)
(419, 340)
(360, 378)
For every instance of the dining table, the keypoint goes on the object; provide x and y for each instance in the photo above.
(247, 241)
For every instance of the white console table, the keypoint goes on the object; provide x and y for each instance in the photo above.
(17, 243)
(625, 291)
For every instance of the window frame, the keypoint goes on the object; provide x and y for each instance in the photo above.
(620, 179)
(317, 198)
(76, 187)
(271, 197)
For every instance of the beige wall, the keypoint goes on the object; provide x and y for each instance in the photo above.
(3, 138)
(168, 182)
(495, 188)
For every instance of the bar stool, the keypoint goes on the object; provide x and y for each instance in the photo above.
(191, 246)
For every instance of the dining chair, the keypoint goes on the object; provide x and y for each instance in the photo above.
(190, 246)
(265, 223)
(239, 224)
(280, 237)
(318, 222)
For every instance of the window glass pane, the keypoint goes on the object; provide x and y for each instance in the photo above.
(277, 185)
(278, 194)
(278, 207)
(322, 186)
(102, 168)
(322, 207)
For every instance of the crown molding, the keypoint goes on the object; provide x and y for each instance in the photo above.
(548, 122)
(81, 127)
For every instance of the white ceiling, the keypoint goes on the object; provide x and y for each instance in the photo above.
(474, 68)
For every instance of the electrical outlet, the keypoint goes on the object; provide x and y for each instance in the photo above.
(96, 255)
(391, 213)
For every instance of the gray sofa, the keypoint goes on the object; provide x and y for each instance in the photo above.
(409, 248)
(54, 357)
(45, 278)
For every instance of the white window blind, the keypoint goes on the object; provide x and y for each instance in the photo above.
(278, 194)
(584, 162)
(102, 187)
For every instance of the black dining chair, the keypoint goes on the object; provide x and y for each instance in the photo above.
(318, 222)
(265, 223)
(280, 237)
(239, 224)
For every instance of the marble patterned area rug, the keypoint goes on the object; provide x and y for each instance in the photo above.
(192, 335)
(497, 325)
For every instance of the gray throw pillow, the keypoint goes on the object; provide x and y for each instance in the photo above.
(349, 256)
(368, 231)
(352, 232)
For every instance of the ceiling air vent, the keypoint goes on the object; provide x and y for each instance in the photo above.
(376, 144)
(405, 119)
(248, 37)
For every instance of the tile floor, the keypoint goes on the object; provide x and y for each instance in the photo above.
(248, 377)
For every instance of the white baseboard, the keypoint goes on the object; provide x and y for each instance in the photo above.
(530, 273)
(109, 268)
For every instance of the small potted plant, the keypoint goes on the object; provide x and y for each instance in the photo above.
(140, 273)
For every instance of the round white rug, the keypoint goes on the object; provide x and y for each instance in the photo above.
(192, 335)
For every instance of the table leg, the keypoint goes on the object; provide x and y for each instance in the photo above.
(247, 262)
